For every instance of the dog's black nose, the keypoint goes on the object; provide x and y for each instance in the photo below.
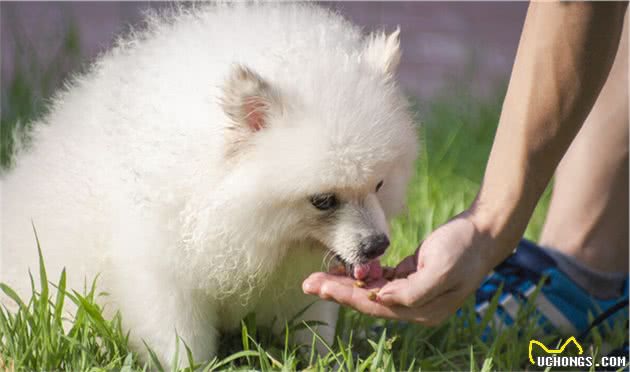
(373, 246)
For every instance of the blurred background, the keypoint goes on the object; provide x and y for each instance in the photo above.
(442, 42)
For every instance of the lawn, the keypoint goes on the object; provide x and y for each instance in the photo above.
(456, 134)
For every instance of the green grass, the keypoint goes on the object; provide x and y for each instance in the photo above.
(457, 132)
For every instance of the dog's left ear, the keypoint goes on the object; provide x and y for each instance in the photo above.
(383, 51)
(248, 100)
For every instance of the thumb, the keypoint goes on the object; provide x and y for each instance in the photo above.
(407, 266)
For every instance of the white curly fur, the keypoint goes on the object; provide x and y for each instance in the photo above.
(195, 210)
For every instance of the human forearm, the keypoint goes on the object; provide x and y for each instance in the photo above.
(564, 56)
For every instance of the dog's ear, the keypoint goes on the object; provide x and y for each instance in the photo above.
(247, 100)
(383, 51)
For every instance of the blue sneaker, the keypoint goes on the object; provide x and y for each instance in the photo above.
(564, 307)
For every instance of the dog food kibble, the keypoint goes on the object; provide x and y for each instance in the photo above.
(372, 295)
(338, 270)
(359, 284)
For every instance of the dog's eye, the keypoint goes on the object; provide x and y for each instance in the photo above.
(324, 201)
(379, 185)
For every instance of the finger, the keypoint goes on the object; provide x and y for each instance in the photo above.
(343, 291)
(415, 290)
(407, 266)
(439, 309)
(312, 284)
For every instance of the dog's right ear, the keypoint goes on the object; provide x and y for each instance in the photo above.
(248, 100)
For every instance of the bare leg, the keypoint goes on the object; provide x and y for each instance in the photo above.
(588, 215)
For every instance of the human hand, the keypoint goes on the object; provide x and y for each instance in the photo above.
(436, 280)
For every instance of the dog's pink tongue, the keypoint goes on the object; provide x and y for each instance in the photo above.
(361, 271)
(371, 270)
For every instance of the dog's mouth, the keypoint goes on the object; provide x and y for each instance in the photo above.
(342, 267)
(337, 265)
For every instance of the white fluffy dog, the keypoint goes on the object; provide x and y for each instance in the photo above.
(205, 166)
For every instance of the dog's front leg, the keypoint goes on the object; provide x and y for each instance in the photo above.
(168, 327)
(325, 312)
(162, 316)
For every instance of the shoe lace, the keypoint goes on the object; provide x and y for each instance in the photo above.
(603, 316)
